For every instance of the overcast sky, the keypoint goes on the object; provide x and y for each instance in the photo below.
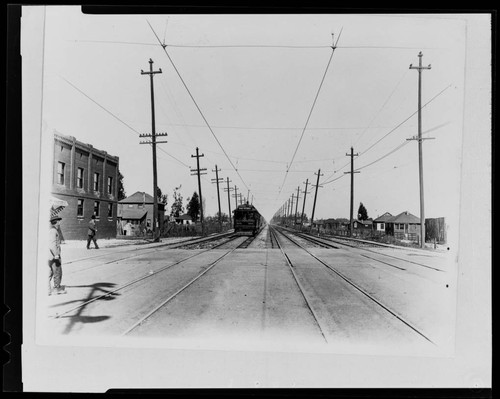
(275, 99)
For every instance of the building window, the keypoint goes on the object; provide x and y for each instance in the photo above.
(79, 178)
(60, 172)
(96, 208)
(79, 208)
(96, 181)
(382, 226)
(110, 210)
(110, 185)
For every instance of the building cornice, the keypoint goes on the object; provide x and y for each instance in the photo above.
(72, 141)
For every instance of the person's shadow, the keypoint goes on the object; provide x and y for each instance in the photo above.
(97, 290)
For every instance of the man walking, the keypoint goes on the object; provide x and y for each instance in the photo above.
(91, 233)
(55, 266)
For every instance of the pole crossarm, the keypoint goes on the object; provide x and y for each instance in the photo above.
(420, 138)
(151, 135)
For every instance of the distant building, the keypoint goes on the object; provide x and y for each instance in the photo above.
(135, 214)
(404, 226)
(380, 223)
(181, 219)
(362, 224)
(87, 179)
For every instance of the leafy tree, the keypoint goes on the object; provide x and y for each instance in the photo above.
(177, 207)
(362, 212)
(121, 189)
(162, 198)
(193, 207)
(224, 217)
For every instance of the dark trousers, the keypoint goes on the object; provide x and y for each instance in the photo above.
(55, 273)
(92, 238)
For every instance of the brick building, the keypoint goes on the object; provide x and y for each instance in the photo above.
(87, 179)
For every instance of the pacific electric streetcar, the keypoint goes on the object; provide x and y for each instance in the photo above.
(247, 219)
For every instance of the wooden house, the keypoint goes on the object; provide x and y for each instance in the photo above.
(135, 214)
(404, 226)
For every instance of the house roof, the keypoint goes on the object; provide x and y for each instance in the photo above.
(133, 214)
(184, 217)
(405, 217)
(366, 222)
(384, 218)
(138, 197)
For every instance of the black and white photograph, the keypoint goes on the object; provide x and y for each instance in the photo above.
(264, 200)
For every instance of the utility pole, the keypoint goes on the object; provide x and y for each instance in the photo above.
(291, 205)
(296, 207)
(217, 180)
(236, 197)
(352, 155)
(315, 195)
(304, 204)
(198, 172)
(229, 189)
(153, 142)
(420, 157)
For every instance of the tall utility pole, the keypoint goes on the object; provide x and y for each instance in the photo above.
(229, 189)
(296, 207)
(291, 206)
(304, 204)
(217, 180)
(153, 142)
(315, 195)
(420, 160)
(198, 172)
(352, 155)
(235, 197)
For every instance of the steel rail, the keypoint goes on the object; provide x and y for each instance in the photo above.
(155, 248)
(163, 303)
(375, 252)
(150, 274)
(392, 312)
(301, 289)
(109, 293)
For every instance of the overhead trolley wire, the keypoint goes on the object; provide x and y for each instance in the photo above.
(383, 106)
(391, 131)
(254, 45)
(118, 119)
(310, 113)
(197, 106)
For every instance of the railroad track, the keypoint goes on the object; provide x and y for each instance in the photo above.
(348, 281)
(129, 253)
(334, 243)
(235, 242)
